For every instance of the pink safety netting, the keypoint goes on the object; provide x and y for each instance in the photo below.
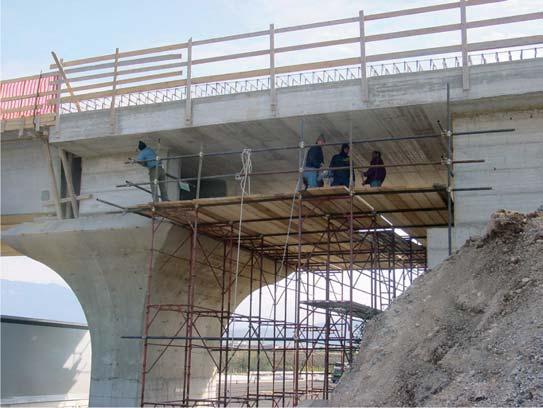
(27, 88)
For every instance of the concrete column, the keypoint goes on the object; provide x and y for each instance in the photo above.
(513, 169)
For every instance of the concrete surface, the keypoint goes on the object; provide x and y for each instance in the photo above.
(437, 247)
(412, 89)
(513, 168)
(26, 186)
(104, 259)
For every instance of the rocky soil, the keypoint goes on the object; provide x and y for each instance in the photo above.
(467, 333)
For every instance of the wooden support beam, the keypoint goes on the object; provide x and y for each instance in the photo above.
(65, 78)
(363, 74)
(51, 170)
(188, 85)
(58, 101)
(112, 118)
(273, 91)
(69, 182)
(69, 200)
(464, 31)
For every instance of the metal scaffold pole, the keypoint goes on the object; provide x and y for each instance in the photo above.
(147, 321)
(449, 171)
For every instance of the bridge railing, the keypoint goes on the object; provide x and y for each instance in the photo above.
(159, 74)
(25, 102)
(300, 79)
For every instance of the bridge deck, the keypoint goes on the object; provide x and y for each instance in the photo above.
(272, 222)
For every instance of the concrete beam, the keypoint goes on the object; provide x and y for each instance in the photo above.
(418, 88)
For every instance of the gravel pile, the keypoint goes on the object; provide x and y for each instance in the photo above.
(467, 333)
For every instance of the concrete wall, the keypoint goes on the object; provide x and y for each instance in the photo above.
(44, 362)
(437, 247)
(513, 168)
(26, 185)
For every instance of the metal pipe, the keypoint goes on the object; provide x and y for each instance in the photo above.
(295, 171)
(356, 141)
(449, 170)
(147, 310)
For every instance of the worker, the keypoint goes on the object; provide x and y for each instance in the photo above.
(337, 372)
(341, 177)
(147, 158)
(314, 161)
(375, 175)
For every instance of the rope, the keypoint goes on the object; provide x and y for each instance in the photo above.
(245, 184)
(285, 246)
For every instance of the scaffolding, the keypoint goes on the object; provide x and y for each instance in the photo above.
(317, 273)
(315, 266)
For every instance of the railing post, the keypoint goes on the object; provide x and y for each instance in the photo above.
(112, 118)
(273, 91)
(464, 29)
(188, 98)
(58, 88)
(363, 74)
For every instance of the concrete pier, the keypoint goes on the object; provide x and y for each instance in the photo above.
(104, 259)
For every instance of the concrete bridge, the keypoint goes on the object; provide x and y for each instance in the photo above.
(56, 164)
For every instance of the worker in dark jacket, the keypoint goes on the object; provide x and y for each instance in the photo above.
(375, 175)
(313, 162)
(341, 177)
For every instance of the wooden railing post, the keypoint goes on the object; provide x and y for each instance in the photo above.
(112, 118)
(58, 89)
(465, 61)
(273, 91)
(188, 97)
(363, 74)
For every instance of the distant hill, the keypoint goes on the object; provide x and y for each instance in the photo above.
(41, 301)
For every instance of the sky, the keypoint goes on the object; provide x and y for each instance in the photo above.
(31, 29)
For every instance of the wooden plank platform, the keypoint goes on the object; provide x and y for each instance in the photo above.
(325, 226)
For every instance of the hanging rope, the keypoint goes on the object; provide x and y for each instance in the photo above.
(288, 279)
(244, 178)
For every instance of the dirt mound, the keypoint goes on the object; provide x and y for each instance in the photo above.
(469, 332)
